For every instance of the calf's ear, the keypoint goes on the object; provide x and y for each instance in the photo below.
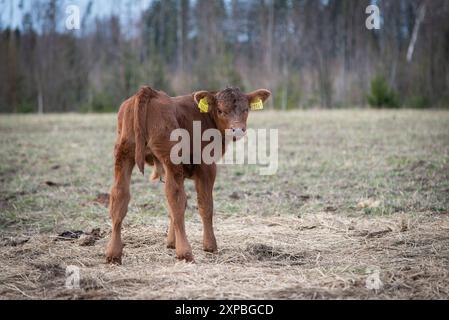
(204, 99)
(257, 98)
(262, 94)
(197, 96)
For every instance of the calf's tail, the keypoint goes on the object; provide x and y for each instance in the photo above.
(142, 101)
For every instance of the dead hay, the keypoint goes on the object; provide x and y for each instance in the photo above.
(324, 256)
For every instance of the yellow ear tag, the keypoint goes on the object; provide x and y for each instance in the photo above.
(257, 104)
(203, 105)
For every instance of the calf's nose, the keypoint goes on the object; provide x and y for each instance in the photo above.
(238, 132)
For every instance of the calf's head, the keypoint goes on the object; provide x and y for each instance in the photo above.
(229, 108)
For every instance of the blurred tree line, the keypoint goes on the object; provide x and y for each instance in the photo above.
(310, 53)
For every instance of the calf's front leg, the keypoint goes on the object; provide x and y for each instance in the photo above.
(171, 238)
(177, 200)
(204, 184)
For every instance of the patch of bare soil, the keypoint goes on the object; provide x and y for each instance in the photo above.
(324, 256)
(85, 238)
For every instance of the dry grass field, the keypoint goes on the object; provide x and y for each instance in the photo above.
(359, 195)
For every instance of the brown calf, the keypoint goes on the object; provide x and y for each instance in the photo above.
(145, 122)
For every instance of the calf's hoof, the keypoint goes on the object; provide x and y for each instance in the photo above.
(210, 245)
(114, 260)
(187, 256)
(114, 254)
(171, 244)
(210, 248)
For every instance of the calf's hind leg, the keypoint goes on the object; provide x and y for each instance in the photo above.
(119, 199)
